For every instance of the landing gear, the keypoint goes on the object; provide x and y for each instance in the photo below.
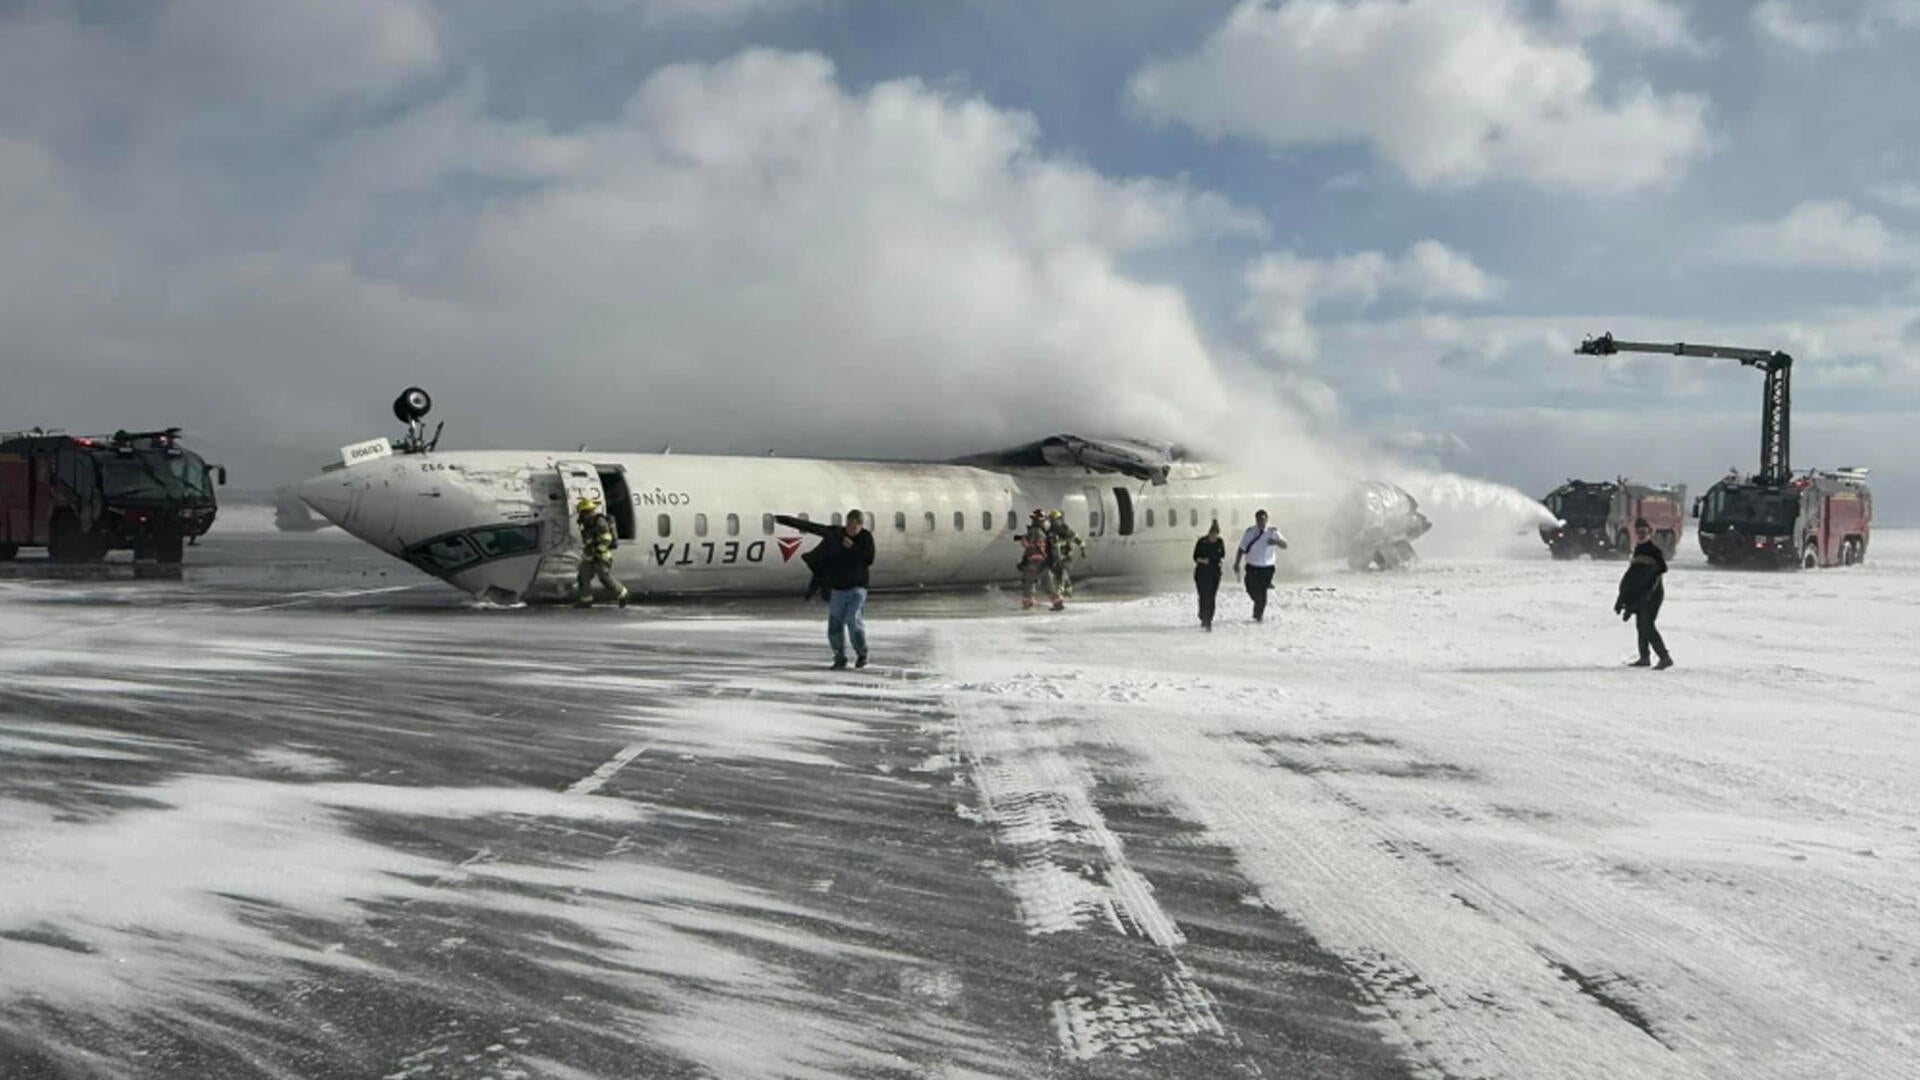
(8, 551)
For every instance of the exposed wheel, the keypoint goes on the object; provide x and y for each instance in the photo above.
(1621, 548)
(412, 404)
(1669, 543)
(170, 549)
(1810, 559)
(8, 551)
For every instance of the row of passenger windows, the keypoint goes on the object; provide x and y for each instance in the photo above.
(928, 521)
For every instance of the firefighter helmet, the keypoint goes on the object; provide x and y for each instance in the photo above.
(586, 505)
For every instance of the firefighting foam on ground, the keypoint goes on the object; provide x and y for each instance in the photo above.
(296, 808)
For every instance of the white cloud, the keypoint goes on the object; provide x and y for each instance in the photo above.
(294, 51)
(1451, 92)
(1655, 23)
(1284, 290)
(1819, 233)
(1781, 21)
(747, 256)
(1903, 195)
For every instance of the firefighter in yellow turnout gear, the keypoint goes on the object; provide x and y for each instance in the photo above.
(596, 555)
(1036, 570)
(1063, 546)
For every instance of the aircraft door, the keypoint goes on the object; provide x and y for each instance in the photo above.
(1081, 511)
(579, 480)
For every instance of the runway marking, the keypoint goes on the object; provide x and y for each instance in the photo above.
(597, 779)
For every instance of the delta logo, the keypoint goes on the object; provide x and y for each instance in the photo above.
(788, 545)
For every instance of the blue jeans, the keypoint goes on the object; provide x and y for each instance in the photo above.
(846, 610)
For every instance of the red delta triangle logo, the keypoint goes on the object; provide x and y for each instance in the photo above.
(788, 545)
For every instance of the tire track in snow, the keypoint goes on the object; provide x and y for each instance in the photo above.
(1071, 871)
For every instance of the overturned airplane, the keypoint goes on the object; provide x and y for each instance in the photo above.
(499, 524)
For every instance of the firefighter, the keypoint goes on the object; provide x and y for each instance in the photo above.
(1642, 589)
(596, 555)
(1208, 553)
(1035, 573)
(1063, 546)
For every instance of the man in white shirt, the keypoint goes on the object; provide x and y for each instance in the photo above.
(1260, 546)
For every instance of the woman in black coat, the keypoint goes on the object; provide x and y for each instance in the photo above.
(1208, 553)
(1642, 589)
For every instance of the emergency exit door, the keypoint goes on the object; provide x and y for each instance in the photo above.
(579, 480)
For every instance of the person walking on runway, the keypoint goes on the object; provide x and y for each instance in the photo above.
(1260, 546)
(1642, 590)
(1208, 553)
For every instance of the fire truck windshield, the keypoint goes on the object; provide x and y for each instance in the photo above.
(1762, 510)
(145, 476)
(1578, 507)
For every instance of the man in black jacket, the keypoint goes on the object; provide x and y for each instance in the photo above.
(843, 556)
(1642, 589)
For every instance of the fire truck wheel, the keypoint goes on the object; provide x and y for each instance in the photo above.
(1621, 546)
(8, 551)
(1810, 559)
(170, 549)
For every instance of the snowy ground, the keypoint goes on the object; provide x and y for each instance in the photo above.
(299, 813)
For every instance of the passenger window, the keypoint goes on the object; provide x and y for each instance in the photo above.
(1149, 517)
(959, 521)
(699, 524)
(666, 524)
(986, 521)
(1013, 521)
(733, 524)
(1193, 517)
(929, 521)
(766, 524)
(900, 520)
(802, 515)
(836, 517)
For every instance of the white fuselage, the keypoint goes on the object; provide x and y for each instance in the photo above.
(500, 524)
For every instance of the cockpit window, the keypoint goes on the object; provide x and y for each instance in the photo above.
(445, 555)
(503, 540)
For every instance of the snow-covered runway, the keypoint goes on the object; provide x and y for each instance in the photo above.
(1415, 825)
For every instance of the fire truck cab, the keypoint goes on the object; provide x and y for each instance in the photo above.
(1816, 519)
(81, 496)
(1596, 517)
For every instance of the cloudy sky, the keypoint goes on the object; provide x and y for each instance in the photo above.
(856, 226)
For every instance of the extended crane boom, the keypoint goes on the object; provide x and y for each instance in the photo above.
(1776, 402)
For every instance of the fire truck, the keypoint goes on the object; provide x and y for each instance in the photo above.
(1596, 517)
(1773, 517)
(81, 496)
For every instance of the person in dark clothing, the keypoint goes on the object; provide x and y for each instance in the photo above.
(1642, 588)
(845, 554)
(1208, 553)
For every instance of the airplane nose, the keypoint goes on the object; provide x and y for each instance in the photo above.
(329, 497)
(354, 501)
